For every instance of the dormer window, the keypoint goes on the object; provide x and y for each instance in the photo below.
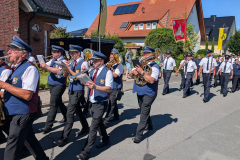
(154, 25)
(148, 25)
(135, 26)
(141, 26)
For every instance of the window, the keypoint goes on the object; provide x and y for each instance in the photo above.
(135, 26)
(124, 25)
(148, 25)
(154, 25)
(141, 26)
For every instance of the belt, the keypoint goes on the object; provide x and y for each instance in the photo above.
(225, 73)
(167, 70)
(98, 102)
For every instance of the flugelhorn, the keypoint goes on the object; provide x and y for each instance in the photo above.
(117, 58)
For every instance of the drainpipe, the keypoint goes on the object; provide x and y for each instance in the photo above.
(29, 28)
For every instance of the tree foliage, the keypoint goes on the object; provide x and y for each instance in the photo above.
(192, 38)
(201, 52)
(234, 43)
(60, 32)
(206, 44)
(213, 41)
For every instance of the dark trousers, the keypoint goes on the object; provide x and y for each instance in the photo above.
(225, 77)
(182, 79)
(55, 102)
(216, 78)
(207, 79)
(112, 107)
(198, 79)
(75, 98)
(20, 132)
(166, 75)
(188, 83)
(145, 102)
(2, 136)
(85, 107)
(235, 82)
(96, 111)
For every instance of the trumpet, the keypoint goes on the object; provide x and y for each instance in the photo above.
(4, 57)
(117, 58)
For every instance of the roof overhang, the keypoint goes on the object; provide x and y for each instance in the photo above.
(30, 7)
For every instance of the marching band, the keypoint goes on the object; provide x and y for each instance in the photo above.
(19, 86)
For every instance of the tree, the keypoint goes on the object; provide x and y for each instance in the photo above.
(213, 41)
(234, 43)
(192, 38)
(163, 38)
(60, 32)
(207, 44)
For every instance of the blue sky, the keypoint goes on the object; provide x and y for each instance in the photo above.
(85, 11)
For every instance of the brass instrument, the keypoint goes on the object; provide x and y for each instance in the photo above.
(88, 53)
(117, 58)
(139, 80)
(61, 72)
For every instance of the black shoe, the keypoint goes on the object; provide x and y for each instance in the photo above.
(62, 121)
(148, 128)
(83, 131)
(204, 100)
(103, 144)
(45, 130)
(163, 94)
(61, 142)
(224, 95)
(82, 156)
(180, 88)
(113, 119)
(135, 140)
(184, 96)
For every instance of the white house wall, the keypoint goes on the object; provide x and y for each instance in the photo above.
(193, 18)
(138, 41)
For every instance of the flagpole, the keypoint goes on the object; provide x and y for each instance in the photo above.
(99, 24)
(185, 42)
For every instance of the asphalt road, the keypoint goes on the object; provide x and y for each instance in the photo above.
(184, 129)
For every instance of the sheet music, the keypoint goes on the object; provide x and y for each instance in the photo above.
(40, 58)
(84, 78)
(67, 54)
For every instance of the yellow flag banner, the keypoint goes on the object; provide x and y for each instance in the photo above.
(102, 17)
(222, 39)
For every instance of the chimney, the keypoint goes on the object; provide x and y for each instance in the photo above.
(152, 1)
(213, 18)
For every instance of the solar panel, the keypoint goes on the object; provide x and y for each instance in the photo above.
(126, 9)
(134, 8)
(124, 25)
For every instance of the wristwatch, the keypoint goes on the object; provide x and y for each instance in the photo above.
(143, 73)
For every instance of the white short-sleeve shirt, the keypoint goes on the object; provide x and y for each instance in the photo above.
(229, 67)
(204, 62)
(191, 66)
(170, 63)
(29, 78)
(85, 63)
(108, 82)
(119, 70)
(31, 59)
(4, 76)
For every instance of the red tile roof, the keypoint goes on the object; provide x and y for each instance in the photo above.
(153, 12)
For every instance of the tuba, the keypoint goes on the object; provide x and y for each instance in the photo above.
(117, 58)
(139, 80)
(88, 53)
